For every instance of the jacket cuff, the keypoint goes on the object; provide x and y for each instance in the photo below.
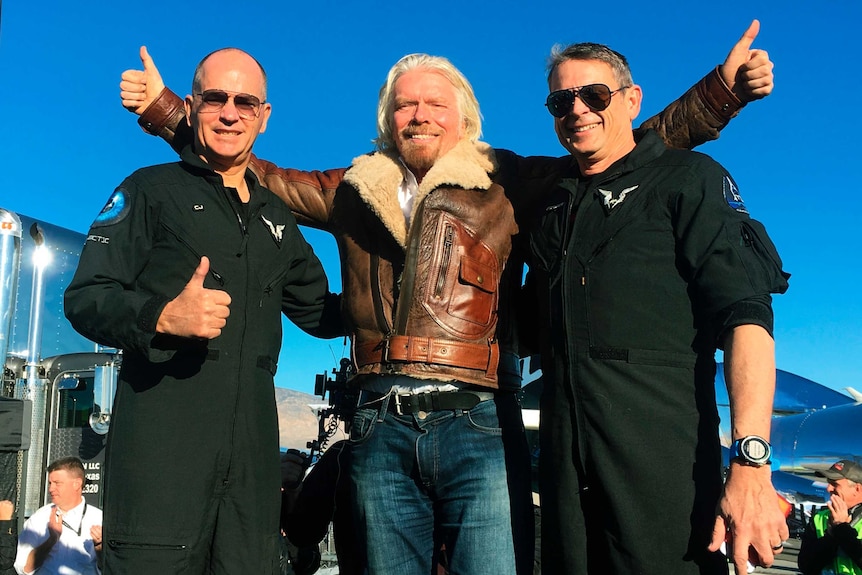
(148, 317)
(752, 311)
(718, 97)
(163, 115)
(7, 526)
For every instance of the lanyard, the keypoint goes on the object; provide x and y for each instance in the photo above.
(80, 524)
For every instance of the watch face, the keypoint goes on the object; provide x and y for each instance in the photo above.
(755, 449)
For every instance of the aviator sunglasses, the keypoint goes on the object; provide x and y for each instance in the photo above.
(247, 105)
(596, 96)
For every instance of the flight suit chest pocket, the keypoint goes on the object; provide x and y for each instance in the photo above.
(546, 237)
(464, 277)
(177, 251)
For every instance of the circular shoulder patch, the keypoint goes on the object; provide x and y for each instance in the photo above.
(115, 210)
(731, 195)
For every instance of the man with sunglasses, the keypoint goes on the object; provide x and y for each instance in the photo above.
(188, 269)
(425, 228)
(65, 536)
(644, 260)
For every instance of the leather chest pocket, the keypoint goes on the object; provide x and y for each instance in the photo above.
(464, 278)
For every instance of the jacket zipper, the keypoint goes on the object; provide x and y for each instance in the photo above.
(448, 242)
(225, 194)
(402, 307)
(376, 301)
(243, 226)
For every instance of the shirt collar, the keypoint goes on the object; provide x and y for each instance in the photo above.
(76, 511)
(407, 190)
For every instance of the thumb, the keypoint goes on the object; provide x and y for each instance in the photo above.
(741, 48)
(719, 534)
(150, 70)
(146, 59)
(200, 273)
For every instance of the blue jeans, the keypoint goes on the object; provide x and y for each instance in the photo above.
(420, 483)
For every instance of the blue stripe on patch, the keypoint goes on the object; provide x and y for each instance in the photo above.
(115, 210)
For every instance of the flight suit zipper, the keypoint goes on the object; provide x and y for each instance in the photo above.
(213, 273)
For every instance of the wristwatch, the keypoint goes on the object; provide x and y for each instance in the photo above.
(751, 450)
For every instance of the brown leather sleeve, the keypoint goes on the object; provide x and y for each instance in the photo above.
(164, 116)
(698, 116)
(308, 194)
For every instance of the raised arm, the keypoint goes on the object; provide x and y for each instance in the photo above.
(309, 194)
(707, 107)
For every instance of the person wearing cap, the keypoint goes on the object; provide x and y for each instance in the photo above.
(832, 542)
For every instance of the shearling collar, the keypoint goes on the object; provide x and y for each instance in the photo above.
(376, 178)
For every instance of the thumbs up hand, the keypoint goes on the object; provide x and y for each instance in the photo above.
(139, 88)
(747, 72)
(197, 311)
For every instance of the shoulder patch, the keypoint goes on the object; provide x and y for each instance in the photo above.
(731, 195)
(115, 210)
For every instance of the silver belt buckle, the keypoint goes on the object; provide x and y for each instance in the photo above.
(398, 403)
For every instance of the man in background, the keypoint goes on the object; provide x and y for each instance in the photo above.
(65, 536)
(832, 542)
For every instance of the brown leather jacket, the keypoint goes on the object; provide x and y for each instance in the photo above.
(432, 300)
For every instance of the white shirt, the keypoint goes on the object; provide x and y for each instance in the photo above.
(407, 191)
(74, 553)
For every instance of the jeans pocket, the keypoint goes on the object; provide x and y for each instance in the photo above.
(363, 424)
(484, 418)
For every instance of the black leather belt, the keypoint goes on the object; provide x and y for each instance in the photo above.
(414, 403)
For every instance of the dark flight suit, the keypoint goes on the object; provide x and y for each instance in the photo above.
(639, 272)
(192, 476)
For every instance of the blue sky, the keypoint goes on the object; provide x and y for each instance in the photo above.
(69, 143)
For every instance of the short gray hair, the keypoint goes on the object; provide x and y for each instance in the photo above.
(468, 106)
(591, 51)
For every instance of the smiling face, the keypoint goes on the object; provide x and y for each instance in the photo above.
(427, 119)
(595, 138)
(847, 490)
(223, 138)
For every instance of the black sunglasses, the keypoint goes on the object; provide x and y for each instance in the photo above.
(596, 96)
(247, 105)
